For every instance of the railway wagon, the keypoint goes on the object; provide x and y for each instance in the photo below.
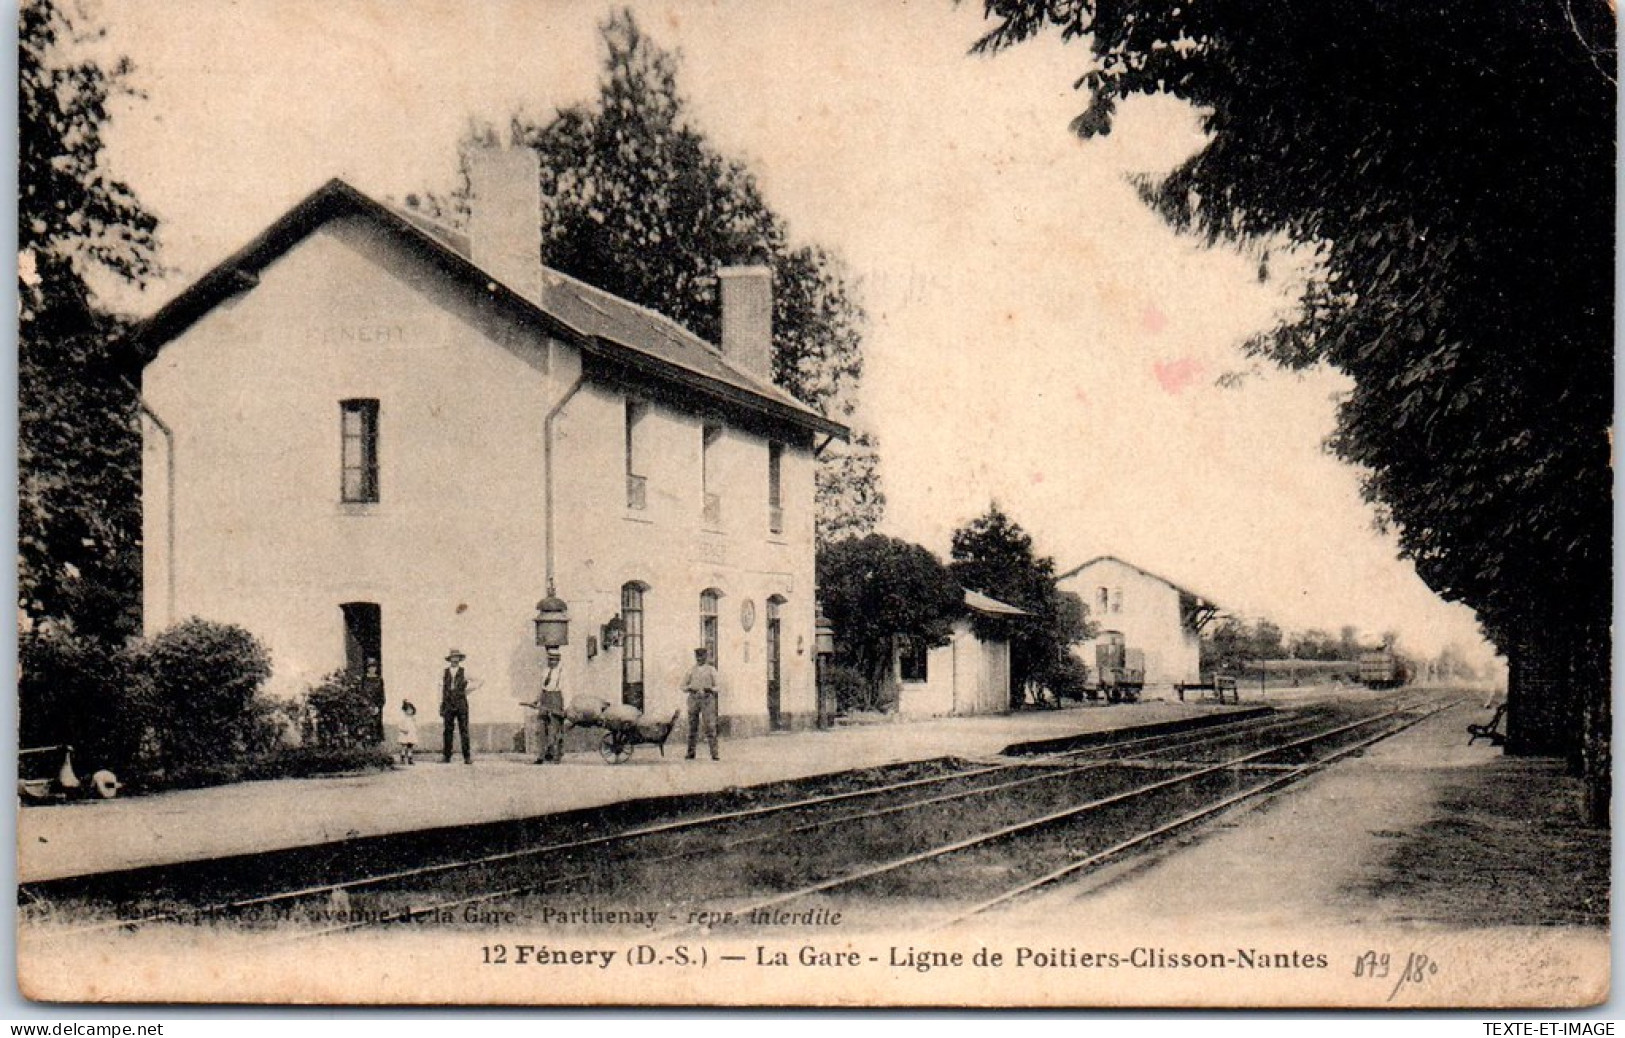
(1381, 668)
(1120, 670)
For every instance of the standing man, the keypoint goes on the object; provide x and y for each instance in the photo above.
(550, 711)
(372, 690)
(702, 687)
(454, 706)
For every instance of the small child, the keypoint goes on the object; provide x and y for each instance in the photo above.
(406, 728)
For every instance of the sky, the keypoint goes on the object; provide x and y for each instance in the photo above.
(1035, 335)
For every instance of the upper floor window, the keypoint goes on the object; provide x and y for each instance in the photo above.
(358, 430)
(709, 483)
(1103, 597)
(1117, 600)
(637, 495)
(775, 488)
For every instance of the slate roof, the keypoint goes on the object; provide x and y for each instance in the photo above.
(599, 323)
(990, 606)
(1075, 570)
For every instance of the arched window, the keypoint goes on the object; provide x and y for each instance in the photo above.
(632, 644)
(710, 599)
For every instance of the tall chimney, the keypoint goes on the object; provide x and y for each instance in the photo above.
(747, 319)
(505, 222)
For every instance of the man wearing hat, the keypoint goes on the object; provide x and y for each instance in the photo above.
(701, 686)
(454, 706)
(550, 711)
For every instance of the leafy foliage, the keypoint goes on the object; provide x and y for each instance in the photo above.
(637, 202)
(78, 447)
(994, 555)
(877, 589)
(1451, 165)
(73, 690)
(340, 712)
(198, 688)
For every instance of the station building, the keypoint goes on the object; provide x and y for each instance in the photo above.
(1152, 614)
(367, 436)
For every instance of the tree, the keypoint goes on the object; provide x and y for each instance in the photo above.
(78, 447)
(994, 555)
(877, 589)
(1450, 168)
(637, 202)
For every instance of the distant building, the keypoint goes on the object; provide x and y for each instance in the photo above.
(969, 675)
(368, 436)
(1152, 614)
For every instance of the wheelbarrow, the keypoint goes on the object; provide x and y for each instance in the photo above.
(623, 733)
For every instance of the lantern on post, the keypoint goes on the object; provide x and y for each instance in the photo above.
(552, 621)
(824, 638)
(823, 648)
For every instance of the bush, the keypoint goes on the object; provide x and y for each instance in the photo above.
(197, 687)
(339, 712)
(1065, 676)
(73, 690)
(851, 692)
(280, 763)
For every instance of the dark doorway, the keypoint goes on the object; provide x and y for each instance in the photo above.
(775, 628)
(363, 635)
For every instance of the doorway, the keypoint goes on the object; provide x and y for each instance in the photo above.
(363, 636)
(775, 629)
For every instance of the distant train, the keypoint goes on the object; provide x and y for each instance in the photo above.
(1381, 668)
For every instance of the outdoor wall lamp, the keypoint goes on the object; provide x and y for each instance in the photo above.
(552, 621)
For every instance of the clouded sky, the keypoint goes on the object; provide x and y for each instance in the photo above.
(1035, 334)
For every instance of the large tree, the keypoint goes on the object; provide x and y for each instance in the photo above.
(994, 555)
(78, 449)
(876, 590)
(1450, 167)
(636, 201)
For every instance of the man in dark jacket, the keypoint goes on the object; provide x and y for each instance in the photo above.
(372, 690)
(454, 707)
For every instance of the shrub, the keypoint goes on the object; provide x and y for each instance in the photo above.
(197, 685)
(1065, 676)
(340, 712)
(73, 690)
(850, 690)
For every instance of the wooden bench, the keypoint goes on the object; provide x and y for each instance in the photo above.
(1221, 687)
(1488, 731)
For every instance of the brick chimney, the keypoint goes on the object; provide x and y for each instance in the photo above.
(747, 319)
(505, 219)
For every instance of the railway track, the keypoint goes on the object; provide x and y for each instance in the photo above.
(837, 841)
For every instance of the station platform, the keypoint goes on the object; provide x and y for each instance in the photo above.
(87, 838)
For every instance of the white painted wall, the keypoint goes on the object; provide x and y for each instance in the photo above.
(251, 529)
(964, 677)
(1146, 611)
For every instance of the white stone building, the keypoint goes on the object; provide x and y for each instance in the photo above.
(969, 675)
(1152, 614)
(368, 436)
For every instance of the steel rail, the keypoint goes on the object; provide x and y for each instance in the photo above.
(930, 854)
(1296, 774)
(200, 913)
(413, 911)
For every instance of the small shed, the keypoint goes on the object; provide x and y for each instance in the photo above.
(969, 675)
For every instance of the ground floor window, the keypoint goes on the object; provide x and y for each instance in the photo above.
(911, 659)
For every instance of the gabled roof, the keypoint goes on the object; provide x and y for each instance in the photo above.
(600, 324)
(981, 603)
(1075, 570)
